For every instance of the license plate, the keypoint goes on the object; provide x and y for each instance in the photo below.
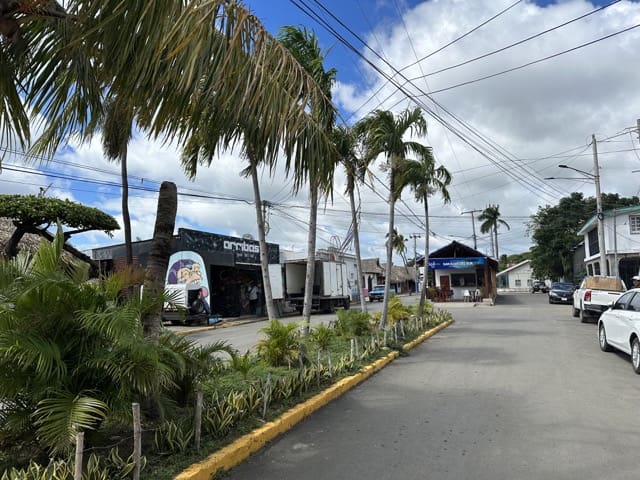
(564, 299)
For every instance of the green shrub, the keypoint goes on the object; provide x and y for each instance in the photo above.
(321, 336)
(353, 323)
(281, 345)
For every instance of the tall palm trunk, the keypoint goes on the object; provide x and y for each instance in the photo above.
(264, 258)
(311, 256)
(356, 244)
(159, 256)
(387, 275)
(495, 233)
(126, 219)
(423, 290)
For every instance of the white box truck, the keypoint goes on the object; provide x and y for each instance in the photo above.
(330, 285)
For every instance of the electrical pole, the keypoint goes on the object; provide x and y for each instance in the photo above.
(599, 213)
(473, 226)
(416, 236)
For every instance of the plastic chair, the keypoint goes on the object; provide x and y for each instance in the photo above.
(467, 296)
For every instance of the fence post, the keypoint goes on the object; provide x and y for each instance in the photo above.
(330, 365)
(352, 351)
(267, 393)
(197, 427)
(77, 475)
(137, 441)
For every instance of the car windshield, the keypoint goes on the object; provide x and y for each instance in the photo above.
(562, 286)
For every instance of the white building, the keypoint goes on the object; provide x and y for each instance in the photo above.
(621, 241)
(518, 277)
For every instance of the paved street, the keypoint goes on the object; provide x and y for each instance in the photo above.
(517, 391)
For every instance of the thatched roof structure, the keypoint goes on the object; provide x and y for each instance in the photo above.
(29, 242)
(372, 265)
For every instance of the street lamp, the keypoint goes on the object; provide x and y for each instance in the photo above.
(595, 178)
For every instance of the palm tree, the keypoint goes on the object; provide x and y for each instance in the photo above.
(355, 169)
(116, 135)
(399, 245)
(318, 170)
(490, 218)
(383, 133)
(425, 180)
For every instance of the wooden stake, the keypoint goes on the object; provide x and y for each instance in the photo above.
(77, 475)
(352, 351)
(137, 441)
(197, 427)
(267, 393)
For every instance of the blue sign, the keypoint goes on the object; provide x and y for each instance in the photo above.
(454, 263)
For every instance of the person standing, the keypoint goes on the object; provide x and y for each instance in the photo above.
(253, 297)
(635, 281)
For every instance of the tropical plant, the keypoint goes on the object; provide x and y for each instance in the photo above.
(383, 133)
(242, 363)
(304, 46)
(281, 345)
(321, 336)
(490, 218)
(73, 353)
(352, 323)
(425, 180)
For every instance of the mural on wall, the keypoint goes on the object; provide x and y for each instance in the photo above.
(187, 268)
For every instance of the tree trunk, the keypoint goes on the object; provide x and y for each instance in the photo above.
(387, 275)
(264, 258)
(126, 219)
(495, 232)
(423, 290)
(159, 256)
(356, 244)
(11, 247)
(311, 256)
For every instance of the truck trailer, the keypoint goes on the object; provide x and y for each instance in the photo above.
(330, 285)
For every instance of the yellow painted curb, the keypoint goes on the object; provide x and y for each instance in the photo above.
(234, 453)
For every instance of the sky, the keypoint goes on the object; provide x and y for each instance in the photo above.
(501, 123)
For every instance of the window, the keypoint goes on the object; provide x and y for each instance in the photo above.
(594, 246)
(596, 268)
(634, 304)
(590, 269)
(463, 280)
(634, 223)
(623, 301)
(518, 283)
(529, 282)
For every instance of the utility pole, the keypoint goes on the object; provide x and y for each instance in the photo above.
(415, 237)
(473, 226)
(599, 213)
(615, 244)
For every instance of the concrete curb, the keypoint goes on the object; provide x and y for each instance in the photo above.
(234, 453)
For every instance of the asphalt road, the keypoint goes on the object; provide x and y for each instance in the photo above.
(516, 391)
(244, 337)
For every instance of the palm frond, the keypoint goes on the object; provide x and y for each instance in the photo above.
(59, 417)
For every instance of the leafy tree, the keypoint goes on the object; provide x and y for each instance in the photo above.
(32, 214)
(382, 133)
(490, 218)
(425, 180)
(554, 229)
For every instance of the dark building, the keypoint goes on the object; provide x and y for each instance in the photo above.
(231, 263)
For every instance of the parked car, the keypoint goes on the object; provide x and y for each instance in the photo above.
(595, 295)
(619, 327)
(539, 286)
(377, 293)
(561, 292)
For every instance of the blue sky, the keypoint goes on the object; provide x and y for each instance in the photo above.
(499, 137)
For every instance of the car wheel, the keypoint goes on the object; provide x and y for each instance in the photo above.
(196, 307)
(602, 339)
(576, 312)
(635, 355)
(583, 316)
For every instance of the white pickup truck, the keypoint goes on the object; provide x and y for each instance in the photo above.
(595, 295)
